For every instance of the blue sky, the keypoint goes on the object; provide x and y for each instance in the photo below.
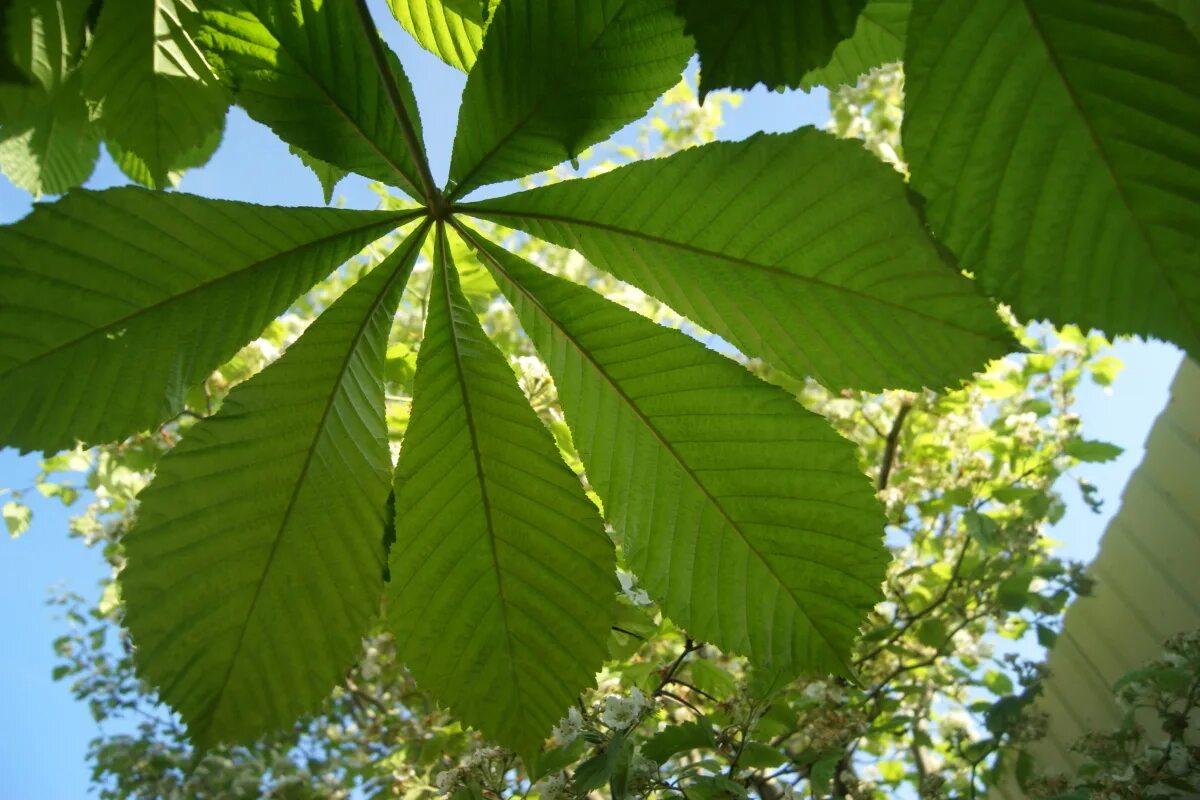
(44, 733)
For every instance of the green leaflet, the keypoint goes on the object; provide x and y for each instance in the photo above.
(243, 627)
(10, 73)
(1058, 142)
(556, 77)
(327, 174)
(116, 302)
(878, 39)
(1187, 10)
(502, 578)
(775, 42)
(47, 142)
(45, 37)
(744, 515)
(450, 29)
(318, 75)
(800, 248)
(159, 100)
(138, 171)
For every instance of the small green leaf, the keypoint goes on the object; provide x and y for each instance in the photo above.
(16, 517)
(1046, 636)
(675, 739)
(822, 773)
(327, 174)
(756, 755)
(981, 528)
(556, 759)
(1093, 452)
(710, 678)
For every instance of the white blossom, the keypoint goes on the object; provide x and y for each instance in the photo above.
(552, 787)
(568, 728)
(1177, 759)
(629, 588)
(621, 712)
(369, 666)
(886, 609)
(957, 723)
(447, 780)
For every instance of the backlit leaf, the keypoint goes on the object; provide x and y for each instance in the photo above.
(1058, 143)
(799, 248)
(116, 302)
(243, 627)
(502, 577)
(744, 515)
(554, 78)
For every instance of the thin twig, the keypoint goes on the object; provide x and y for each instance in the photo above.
(889, 447)
(695, 689)
(678, 699)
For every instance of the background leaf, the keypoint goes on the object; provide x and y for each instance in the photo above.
(47, 141)
(45, 37)
(123, 299)
(327, 174)
(158, 98)
(744, 515)
(450, 29)
(306, 70)
(502, 576)
(799, 248)
(556, 78)
(878, 39)
(746, 42)
(137, 170)
(243, 627)
(1058, 143)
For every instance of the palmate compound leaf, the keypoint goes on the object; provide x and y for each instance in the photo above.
(745, 42)
(158, 98)
(1058, 144)
(878, 39)
(557, 76)
(744, 515)
(317, 74)
(502, 576)
(799, 248)
(450, 29)
(115, 303)
(257, 560)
